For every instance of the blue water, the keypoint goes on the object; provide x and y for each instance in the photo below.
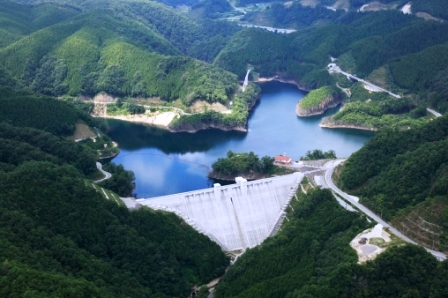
(166, 163)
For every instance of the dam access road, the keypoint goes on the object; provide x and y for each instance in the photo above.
(249, 224)
(330, 166)
(332, 67)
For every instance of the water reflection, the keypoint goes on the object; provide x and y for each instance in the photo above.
(166, 163)
(133, 136)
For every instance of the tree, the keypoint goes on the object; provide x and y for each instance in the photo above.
(111, 80)
(49, 76)
(137, 85)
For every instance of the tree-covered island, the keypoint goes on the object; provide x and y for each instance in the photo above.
(247, 165)
(318, 154)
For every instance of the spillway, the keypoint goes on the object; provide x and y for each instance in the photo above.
(236, 216)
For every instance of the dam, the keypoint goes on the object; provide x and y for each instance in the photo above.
(236, 216)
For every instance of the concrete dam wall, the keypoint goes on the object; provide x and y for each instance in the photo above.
(236, 216)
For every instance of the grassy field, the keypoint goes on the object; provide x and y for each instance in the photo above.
(82, 131)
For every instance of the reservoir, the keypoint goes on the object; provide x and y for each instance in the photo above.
(166, 163)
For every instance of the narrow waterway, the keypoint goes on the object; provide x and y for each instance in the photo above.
(166, 163)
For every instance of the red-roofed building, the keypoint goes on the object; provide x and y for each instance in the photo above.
(283, 159)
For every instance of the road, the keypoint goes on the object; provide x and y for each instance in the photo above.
(271, 29)
(330, 166)
(246, 80)
(437, 114)
(332, 67)
(237, 8)
(99, 166)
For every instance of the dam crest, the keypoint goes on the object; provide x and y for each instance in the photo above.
(236, 216)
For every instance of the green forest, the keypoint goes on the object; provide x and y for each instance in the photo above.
(316, 97)
(129, 49)
(399, 170)
(62, 238)
(243, 164)
(318, 154)
(311, 257)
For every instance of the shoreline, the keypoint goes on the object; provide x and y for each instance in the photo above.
(279, 79)
(326, 125)
(160, 120)
(208, 127)
(163, 121)
(299, 110)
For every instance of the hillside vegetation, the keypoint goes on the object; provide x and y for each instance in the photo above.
(397, 171)
(126, 49)
(405, 54)
(65, 239)
(311, 257)
(247, 165)
(130, 49)
(60, 237)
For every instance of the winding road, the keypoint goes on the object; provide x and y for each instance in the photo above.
(330, 166)
(99, 166)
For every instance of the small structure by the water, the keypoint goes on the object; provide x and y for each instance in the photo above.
(283, 159)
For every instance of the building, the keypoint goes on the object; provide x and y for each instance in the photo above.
(283, 159)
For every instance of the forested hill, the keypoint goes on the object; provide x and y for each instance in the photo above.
(403, 175)
(61, 238)
(121, 47)
(124, 49)
(328, 9)
(362, 41)
(311, 257)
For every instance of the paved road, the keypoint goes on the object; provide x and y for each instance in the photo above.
(332, 67)
(330, 166)
(246, 79)
(271, 29)
(237, 8)
(437, 114)
(99, 166)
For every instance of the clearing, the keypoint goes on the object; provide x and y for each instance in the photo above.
(82, 131)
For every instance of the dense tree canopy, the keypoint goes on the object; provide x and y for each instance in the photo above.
(242, 164)
(311, 257)
(61, 237)
(56, 229)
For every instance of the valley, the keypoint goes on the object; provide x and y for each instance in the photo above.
(178, 88)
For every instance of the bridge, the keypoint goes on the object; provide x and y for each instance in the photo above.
(236, 216)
